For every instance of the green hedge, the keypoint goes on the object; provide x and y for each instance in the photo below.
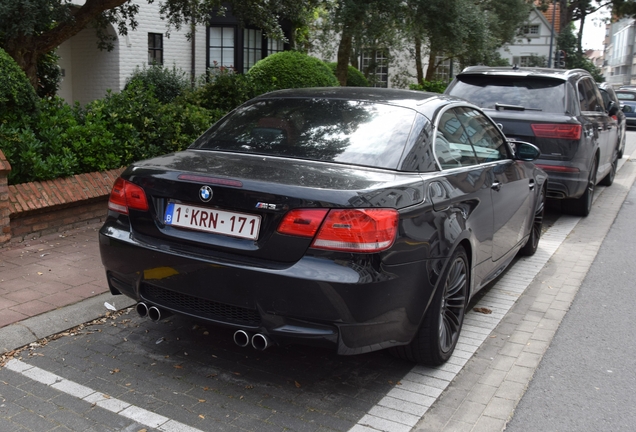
(290, 69)
(17, 96)
(355, 78)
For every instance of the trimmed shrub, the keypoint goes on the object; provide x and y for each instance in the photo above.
(430, 86)
(355, 78)
(166, 84)
(290, 69)
(17, 95)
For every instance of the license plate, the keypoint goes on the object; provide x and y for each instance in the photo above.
(213, 221)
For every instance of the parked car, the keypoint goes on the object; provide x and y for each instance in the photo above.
(357, 219)
(629, 109)
(609, 98)
(626, 94)
(561, 112)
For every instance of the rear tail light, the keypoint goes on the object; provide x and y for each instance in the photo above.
(347, 230)
(126, 195)
(302, 223)
(560, 131)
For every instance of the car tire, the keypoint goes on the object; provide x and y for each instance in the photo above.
(439, 331)
(537, 225)
(609, 178)
(583, 205)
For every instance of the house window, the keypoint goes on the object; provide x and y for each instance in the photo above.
(375, 64)
(221, 47)
(252, 47)
(274, 46)
(155, 48)
(442, 71)
(530, 30)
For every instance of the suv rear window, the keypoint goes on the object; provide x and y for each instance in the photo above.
(485, 91)
(334, 130)
(625, 95)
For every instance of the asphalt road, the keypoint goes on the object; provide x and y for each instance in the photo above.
(586, 380)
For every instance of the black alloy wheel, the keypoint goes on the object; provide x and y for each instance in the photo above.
(437, 337)
(537, 225)
(583, 205)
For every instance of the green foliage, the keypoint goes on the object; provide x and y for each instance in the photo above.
(166, 84)
(108, 133)
(355, 78)
(17, 97)
(49, 74)
(573, 59)
(290, 69)
(223, 90)
(430, 86)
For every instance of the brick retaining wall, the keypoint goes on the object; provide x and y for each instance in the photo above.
(37, 208)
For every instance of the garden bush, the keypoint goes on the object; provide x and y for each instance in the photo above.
(355, 78)
(166, 84)
(430, 86)
(223, 90)
(17, 95)
(290, 69)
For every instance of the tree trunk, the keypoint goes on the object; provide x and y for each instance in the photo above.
(344, 53)
(432, 65)
(418, 60)
(579, 37)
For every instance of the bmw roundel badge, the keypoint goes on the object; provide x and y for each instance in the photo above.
(205, 193)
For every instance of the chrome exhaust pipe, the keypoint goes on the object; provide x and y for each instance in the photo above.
(260, 342)
(241, 338)
(142, 309)
(157, 314)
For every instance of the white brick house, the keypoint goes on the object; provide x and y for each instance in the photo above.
(88, 72)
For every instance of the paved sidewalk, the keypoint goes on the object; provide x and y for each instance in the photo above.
(40, 277)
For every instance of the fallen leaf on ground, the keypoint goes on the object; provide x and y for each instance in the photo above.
(482, 310)
(297, 384)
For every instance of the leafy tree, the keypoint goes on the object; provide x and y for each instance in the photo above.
(464, 29)
(568, 42)
(30, 29)
(356, 23)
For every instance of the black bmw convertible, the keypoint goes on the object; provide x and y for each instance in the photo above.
(352, 218)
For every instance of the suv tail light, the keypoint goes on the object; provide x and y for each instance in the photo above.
(558, 130)
(347, 230)
(126, 195)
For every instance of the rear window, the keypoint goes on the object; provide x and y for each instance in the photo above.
(531, 93)
(625, 95)
(360, 133)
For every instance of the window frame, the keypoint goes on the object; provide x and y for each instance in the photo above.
(153, 50)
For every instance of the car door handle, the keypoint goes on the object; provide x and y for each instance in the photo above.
(496, 186)
(531, 185)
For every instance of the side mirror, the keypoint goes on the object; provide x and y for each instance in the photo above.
(525, 151)
(612, 108)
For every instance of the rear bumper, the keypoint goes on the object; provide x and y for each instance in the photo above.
(355, 306)
(562, 186)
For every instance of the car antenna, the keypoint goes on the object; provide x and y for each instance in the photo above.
(515, 67)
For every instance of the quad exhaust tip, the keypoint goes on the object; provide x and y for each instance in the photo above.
(142, 309)
(241, 338)
(259, 341)
(157, 314)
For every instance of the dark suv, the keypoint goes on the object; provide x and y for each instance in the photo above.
(561, 112)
